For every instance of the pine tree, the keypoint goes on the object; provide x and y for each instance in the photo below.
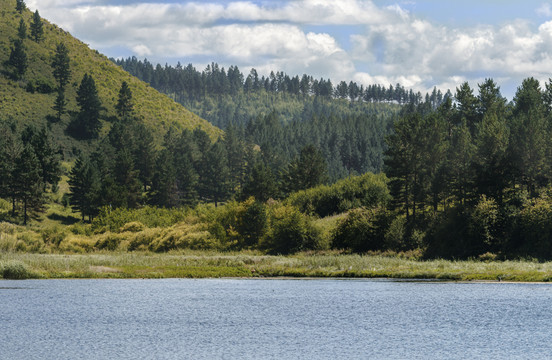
(86, 124)
(60, 104)
(22, 30)
(260, 183)
(214, 182)
(60, 65)
(124, 105)
(46, 153)
(18, 59)
(20, 6)
(37, 28)
(84, 184)
(306, 171)
(29, 183)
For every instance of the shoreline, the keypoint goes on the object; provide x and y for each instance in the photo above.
(249, 265)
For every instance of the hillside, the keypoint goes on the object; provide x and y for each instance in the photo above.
(158, 111)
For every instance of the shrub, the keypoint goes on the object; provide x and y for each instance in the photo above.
(395, 236)
(362, 230)
(195, 237)
(134, 226)
(53, 236)
(289, 231)
(143, 239)
(150, 216)
(16, 270)
(532, 229)
(108, 242)
(30, 241)
(77, 244)
(368, 190)
(240, 225)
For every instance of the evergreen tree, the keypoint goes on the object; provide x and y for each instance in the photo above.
(60, 105)
(60, 66)
(20, 6)
(126, 179)
(214, 175)
(29, 183)
(529, 135)
(86, 124)
(260, 183)
(46, 154)
(18, 59)
(467, 107)
(22, 30)
(37, 28)
(164, 189)
(124, 105)
(306, 171)
(236, 160)
(84, 184)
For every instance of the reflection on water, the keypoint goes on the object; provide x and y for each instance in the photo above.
(276, 319)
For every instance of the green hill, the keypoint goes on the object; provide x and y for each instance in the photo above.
(158, 111)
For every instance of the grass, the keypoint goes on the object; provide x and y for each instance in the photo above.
(210, 264)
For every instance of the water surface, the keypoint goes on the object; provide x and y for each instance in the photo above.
(273, 319)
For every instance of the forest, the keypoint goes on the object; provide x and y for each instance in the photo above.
(302, 165)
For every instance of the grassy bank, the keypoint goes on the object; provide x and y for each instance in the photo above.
(250, 264)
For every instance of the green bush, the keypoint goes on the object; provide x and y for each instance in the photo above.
(53, 235)
(532, 230)
(289, 231)
(240, 225)
(368, 190)
(109, 242)
(134, 226)
(150, 216)
(362, 230)
(16, 270)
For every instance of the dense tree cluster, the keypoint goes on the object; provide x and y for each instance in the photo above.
(29, 165)
(465, 172)
(127, 170)
(282, 114)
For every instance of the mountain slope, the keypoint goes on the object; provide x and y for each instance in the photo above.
(158, 111)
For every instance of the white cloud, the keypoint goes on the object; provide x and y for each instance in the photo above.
(389, 44)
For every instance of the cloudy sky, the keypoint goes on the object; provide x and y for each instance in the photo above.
(418, 43)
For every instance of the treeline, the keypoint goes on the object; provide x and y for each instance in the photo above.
(185, 82)
(474, 176)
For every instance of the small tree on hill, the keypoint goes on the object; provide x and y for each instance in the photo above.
(86, 124)
(37, 28)
(62, 73)
(22, 30)
(20, 6)
(124, 105)
(60, 65)
(18, 59)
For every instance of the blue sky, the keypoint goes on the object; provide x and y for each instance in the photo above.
(418, 43)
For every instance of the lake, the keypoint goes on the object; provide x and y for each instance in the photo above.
(273, 319)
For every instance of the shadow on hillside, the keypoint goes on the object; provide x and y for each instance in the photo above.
(64, 219)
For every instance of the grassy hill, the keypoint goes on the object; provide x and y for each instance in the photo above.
(158, 111)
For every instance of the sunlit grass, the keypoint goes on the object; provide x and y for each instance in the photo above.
(200, 264)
